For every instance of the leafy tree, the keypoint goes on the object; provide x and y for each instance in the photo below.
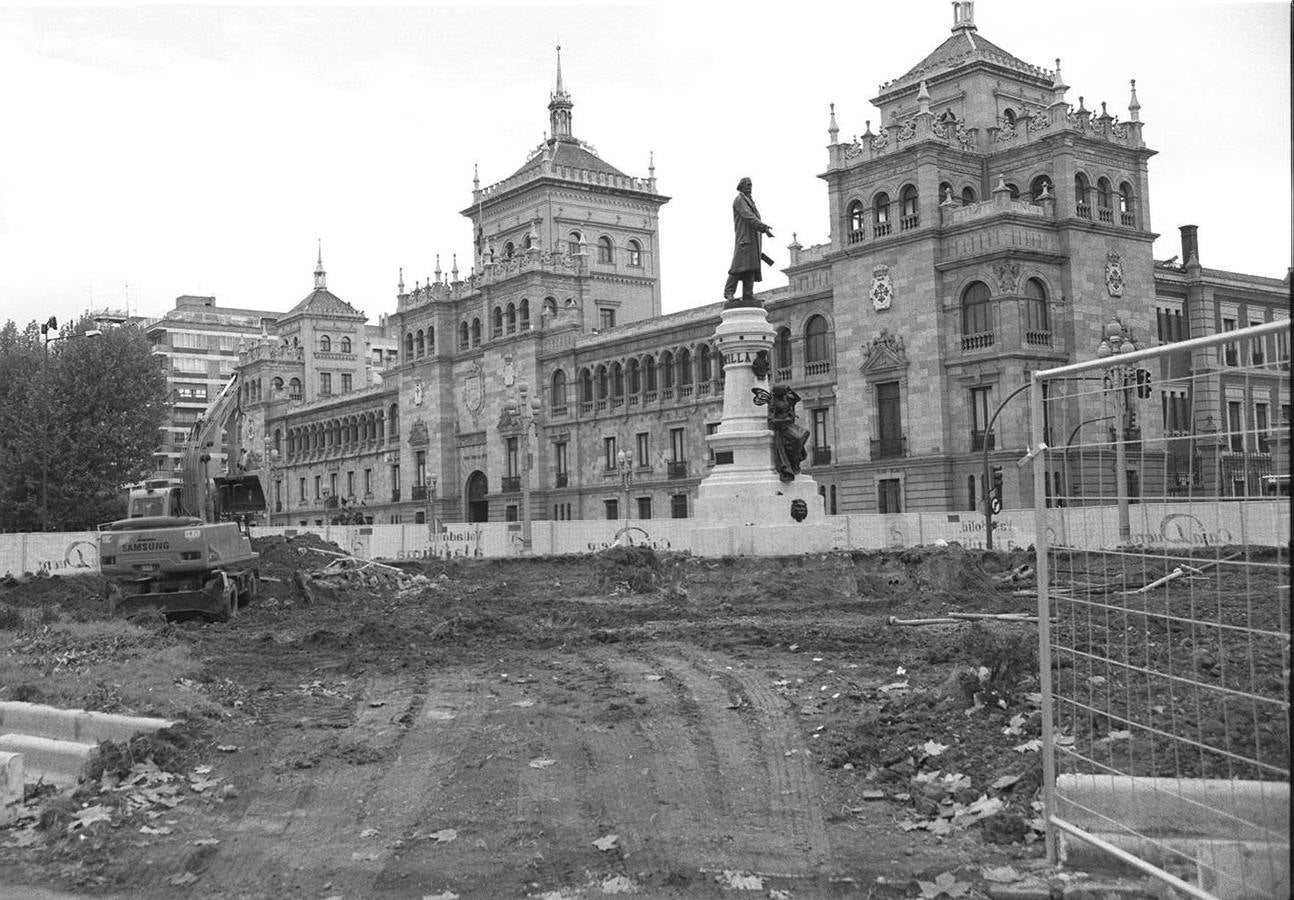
(83, 421)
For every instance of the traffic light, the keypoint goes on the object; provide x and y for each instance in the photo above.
(1143, 384)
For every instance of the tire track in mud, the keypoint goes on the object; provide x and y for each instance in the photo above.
(303, 829)
(787, 821)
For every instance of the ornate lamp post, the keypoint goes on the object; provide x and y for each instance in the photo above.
(625, 466)
(1116, 341)
(525, 412)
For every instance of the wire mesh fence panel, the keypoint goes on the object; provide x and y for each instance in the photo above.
(1162, 502)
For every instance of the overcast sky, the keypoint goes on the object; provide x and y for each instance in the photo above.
(202, 149)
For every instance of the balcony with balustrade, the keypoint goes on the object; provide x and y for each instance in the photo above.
(676, 469)
(981, 440)
(889, 447)
(821, 456)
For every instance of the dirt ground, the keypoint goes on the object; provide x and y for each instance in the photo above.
(567, 727)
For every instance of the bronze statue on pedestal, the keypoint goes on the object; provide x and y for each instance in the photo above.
(746, 253)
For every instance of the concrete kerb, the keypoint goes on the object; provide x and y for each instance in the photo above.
(55, 744)
(1231, 837)
(73, 724)
(11, 785)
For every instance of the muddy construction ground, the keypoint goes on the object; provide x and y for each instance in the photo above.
(570, 727)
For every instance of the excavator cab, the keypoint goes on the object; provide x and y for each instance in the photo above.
(239, 498)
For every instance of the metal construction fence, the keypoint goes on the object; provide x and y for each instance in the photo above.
(1165, 663)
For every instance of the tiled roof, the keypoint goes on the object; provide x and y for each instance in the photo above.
(963, 47)
(572, 154)
(322, 301)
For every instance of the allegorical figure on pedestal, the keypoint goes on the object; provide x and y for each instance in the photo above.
(789, 439)
(746, 253)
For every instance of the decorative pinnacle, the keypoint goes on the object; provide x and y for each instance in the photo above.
(868, 132)
(833, 129)
(923, 99)
(651, 164)
(454, 271)
(437, 267)
(1104, 114)
(559, 69)
(476, 177)
(1134, 106)
(400, 286)
(319, 269)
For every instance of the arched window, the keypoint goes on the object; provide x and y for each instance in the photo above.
(276, 385)
(667, 369)
(649, 373)
(278, 438)
(782, 349)
(815, 340)
(586, 386)
(345, 345)
(1104, 193)
(294, 389)
(419, 343)
(976, 310)
(524, 311)
(603, 383)
(685, 366)
(1013, 190)
(526, 243)
(1008, 116)
(431, 340)
(558, 393)
(408, 346)
(497, 322)
(1082, 205)
(550, 306)
(325, 343)
(968, 195)
(476, 332)
(633, 376)
(1126, 216)
(857, 221)
(510, 318)
(908, 206)
(703, 367)
(881, 214)
(1035, 308)
(462, 336)
(509, 250)
(1041, 187)
(946, 192)
(604, 250)
(393, 420)
(635, 250)
(617, 380)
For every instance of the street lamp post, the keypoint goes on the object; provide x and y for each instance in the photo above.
(986, 489)
(625, 466)
(527, 411)
(1118, 340)
(1069, 442)
(45, 329)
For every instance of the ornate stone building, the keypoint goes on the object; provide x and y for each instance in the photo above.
(985, 229)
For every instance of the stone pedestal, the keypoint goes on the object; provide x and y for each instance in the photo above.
(743, 491)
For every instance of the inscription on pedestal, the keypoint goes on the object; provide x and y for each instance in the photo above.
(723, 458)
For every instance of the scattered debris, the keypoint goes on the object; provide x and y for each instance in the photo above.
(945, 884)
(607, 842)
(542, 763)
(740, 881)
(444, 836)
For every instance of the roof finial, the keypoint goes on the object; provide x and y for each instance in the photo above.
(923, 99)
(651, 164)
(832, 128)
(964, 15)
(399, 288)
(476, 176)
(559, 106)
(454, 271)
(437, 268)
(1134, 106)
(319, 269)
(559, 69)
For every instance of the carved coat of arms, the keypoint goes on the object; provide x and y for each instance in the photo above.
(1007, 276)
(474, 389)
(1114, 274)
(882, 288)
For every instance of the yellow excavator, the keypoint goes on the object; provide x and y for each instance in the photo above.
(183, 548)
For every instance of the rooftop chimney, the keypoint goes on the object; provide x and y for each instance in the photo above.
(1190, 244)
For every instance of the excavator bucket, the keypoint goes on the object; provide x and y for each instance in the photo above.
(239, 495)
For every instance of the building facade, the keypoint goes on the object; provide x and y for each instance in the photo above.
(986, 230)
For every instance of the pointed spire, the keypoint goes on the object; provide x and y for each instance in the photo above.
(476, 177)
(832, 128)
(651, 164)
(399, 288)
(1058, 86)
(1134, 106)
(437, 268)
(559, 106)
(454, 271)
(320, 283)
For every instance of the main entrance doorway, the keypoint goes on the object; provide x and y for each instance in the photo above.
(478, 508)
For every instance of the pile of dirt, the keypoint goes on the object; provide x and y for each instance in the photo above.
(42, 599)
